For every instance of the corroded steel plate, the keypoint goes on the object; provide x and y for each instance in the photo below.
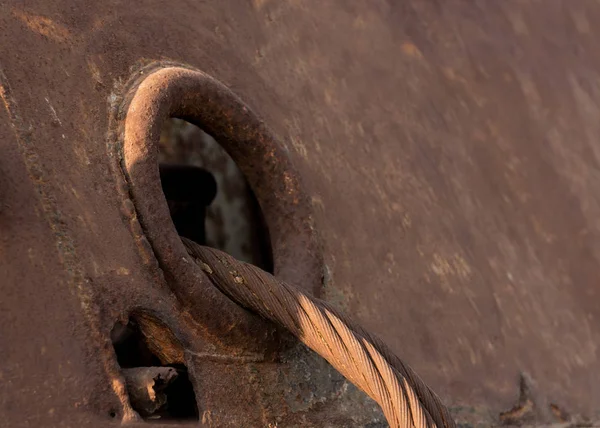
(448, 150)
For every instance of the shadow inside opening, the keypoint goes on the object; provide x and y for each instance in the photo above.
(209, 198)
(158, 391)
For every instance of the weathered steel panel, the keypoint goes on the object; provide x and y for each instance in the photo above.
(450, 150)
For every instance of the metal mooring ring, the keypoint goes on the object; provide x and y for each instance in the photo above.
(161, 92)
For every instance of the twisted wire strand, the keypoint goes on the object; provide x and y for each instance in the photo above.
(361, 357)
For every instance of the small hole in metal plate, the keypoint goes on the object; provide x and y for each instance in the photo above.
(158, 390)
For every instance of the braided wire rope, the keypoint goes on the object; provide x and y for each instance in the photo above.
(361, 357)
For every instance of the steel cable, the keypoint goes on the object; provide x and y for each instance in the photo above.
(361, 357)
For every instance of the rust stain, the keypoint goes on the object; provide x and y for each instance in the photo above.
(360, 23)
(559, 413)
(259, 4)
(411, 50)
(451, 75)
(453, 266)
(299, 147)
(95, 72)
(542, 232)
(317, 202)
(123, 271)
(406, 221)
(44, 26)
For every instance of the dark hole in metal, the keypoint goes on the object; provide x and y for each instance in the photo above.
(130, 346)
(172, 397)
(209, 199)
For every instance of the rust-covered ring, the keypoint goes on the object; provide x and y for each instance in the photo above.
(191, 95)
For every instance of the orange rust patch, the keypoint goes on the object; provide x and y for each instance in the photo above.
(259, 4)
(411, 49)
(450, 74)
(44, 26)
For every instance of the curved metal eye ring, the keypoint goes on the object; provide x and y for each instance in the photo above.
(165, 91)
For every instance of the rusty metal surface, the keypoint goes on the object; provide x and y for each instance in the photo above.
(449, 150)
